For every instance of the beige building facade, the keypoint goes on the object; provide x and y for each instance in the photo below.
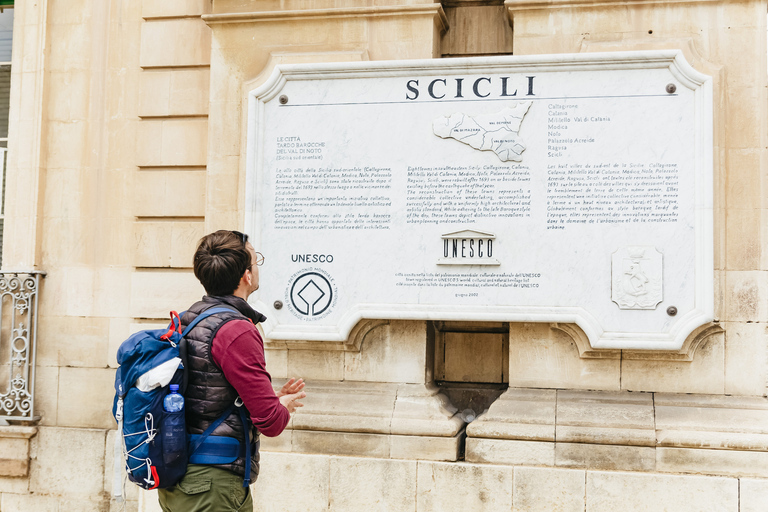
(127, 136)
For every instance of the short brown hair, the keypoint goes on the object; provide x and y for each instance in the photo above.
(221, 260)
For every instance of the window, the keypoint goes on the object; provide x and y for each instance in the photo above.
(6, 41)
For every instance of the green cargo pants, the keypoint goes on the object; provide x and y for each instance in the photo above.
(207, 489)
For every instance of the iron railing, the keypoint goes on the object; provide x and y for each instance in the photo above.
(18, 344)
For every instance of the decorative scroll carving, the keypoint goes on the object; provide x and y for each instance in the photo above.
(18, 324)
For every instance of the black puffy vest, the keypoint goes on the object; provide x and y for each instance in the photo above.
(208, 392)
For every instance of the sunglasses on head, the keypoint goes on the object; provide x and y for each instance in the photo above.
(244, 238)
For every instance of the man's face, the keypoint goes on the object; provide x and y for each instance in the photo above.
(254, 269)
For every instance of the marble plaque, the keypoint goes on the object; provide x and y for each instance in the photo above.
(563, 188)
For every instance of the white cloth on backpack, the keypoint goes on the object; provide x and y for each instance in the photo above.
(158, 376)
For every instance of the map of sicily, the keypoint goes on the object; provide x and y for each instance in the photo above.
(491, 132)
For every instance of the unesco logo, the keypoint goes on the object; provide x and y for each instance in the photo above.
(311, 294)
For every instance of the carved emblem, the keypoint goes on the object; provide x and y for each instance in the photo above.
(468, 247)
(636, 277)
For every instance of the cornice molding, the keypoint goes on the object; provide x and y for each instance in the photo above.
(537, 5)
(341, 12)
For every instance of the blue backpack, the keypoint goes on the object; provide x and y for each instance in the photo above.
(152, 442)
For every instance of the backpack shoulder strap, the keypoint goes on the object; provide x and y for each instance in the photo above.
(183, 341)
(205, 314)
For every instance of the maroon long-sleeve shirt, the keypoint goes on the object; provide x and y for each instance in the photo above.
(239, 351)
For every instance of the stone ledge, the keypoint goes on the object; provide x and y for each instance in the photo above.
(14, 450)
(378, 419)
(706, 434)
(381, 446)
(376, 408)
(603, 430)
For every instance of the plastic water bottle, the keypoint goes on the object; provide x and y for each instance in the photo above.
(173, 402)
(174, 429)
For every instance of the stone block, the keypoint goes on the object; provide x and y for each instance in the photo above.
(743, 173)
(390, 353)
(13, 485)
(26, 502)
(154, 294)
(169, 193)
(69, 46)
(609, 491)
(119, 330)
(172, 142)
(605, 417)
(548, 490)
(511, 452)
(277, 363)
(189, 92)
(131, 490)
(92, 504)
(185, 42)
(14, 450)
(347, 407)
(281, 443)
(72, 341)
(526, 414)
(94, 389)
(125, 506)
(166, 244)
(717, 422)
(712, 462)
(605, 457)
(540, 357)
(60, 14)
(746, 296)
(743, 118)
(148, 501)
(372, 484)
(423, 410)
(52, 457)
(746, 350)
(69, 95)
(743, 244)
(169, 8)
(424, 448)
(459, 487)
(155, 93)
(228, 133)
(47, 394)
(316, 364)
(753, 495)
(67, 143)
(269, 490)
(340, 443)
(90, 291)
(702, 375)
(764, 232)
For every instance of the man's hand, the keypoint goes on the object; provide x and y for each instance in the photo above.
(291, 402)
(291, 387)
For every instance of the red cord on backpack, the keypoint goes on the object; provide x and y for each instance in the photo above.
(154, 477)
(173, 327)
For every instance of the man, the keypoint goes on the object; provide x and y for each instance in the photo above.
(225, 360)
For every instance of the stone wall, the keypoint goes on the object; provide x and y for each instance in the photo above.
(126, 146)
